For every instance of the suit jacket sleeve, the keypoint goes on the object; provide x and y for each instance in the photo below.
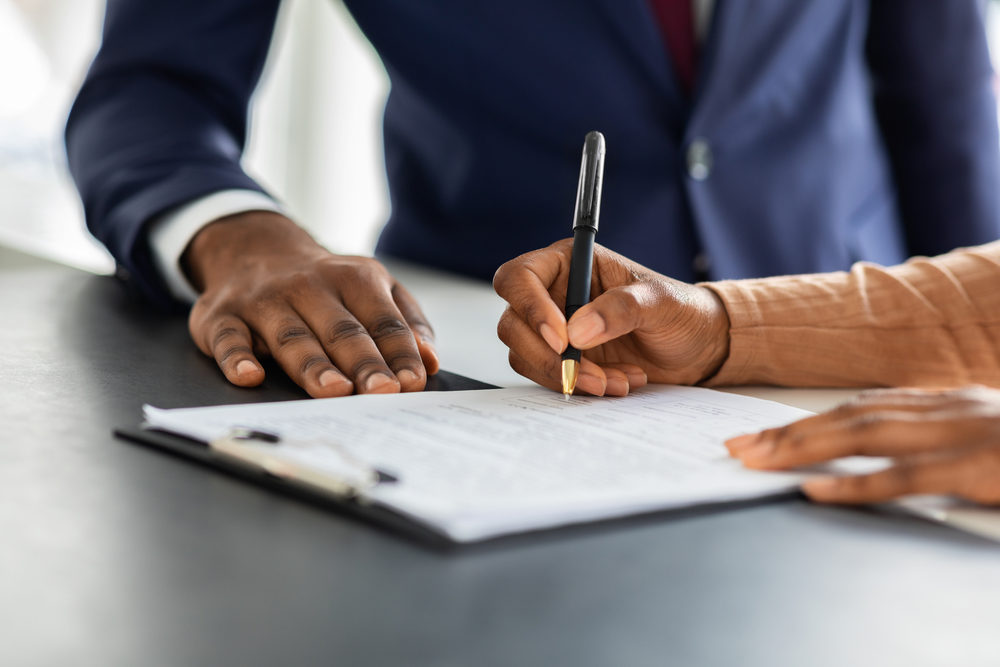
(932, 82)
(161, 117)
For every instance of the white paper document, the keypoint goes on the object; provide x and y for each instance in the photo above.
(477, 464)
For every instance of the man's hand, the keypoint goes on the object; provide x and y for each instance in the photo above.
(639, 325)
(335, 324)
(944, 442)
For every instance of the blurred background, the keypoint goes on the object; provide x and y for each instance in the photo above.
(315, 138)
(315, 133)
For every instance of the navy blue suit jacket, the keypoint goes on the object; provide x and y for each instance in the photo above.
(838, 131)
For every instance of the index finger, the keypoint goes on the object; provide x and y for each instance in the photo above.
(525, 282)
(917, 401)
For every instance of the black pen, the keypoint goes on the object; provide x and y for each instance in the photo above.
(588, 210)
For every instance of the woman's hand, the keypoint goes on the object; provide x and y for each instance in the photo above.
(942, 442)
(639, 325)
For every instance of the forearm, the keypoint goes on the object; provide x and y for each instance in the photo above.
(161, 117)
(926, 322)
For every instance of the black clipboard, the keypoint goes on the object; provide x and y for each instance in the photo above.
(200, 453)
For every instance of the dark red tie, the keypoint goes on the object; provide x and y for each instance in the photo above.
(676, 19)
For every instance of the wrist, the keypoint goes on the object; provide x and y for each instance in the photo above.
(717, 334)
(242, 239)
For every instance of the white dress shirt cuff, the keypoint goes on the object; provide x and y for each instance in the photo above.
(170, 234)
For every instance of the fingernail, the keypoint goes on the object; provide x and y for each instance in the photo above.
(330, 377)
(551, 337)
(637, 379)
(820, 485)
(406, 376)
(378, 382)
(586, 328)
(616, 387)
(245, 367)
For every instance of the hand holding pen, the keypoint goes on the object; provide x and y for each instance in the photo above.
(638, 325)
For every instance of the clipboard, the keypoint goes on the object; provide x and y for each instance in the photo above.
(241, 454)
(482, 466)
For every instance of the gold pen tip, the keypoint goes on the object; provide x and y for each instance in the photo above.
(570, 372)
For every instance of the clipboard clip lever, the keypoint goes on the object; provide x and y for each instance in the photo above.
(349, 479)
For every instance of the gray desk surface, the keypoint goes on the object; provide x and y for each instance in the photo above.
(112, 554)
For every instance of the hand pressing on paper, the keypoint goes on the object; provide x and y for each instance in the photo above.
(639, 326)
(941, 442)
(335, 324)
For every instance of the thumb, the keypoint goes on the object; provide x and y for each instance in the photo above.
(614, 313)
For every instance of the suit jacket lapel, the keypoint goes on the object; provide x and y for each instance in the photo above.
(635, 25)
(728, 36)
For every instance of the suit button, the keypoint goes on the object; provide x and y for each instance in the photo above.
(699, 160)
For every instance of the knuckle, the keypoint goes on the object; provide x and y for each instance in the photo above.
(793, 441)
(520, 366)
(866, 423)
(202, 315)
(363, 269)
(311, 362)
(850, 408)
(263, 300)
(290, 334)
(852, 486)
(629, 300)
(903, 477)
(404, 359)
(389, 327)
(502, 276)
(226, 354)
(299, 282)
(224, 334)
(345, 330)
(505, 327)
(779, 434)
(532, 314)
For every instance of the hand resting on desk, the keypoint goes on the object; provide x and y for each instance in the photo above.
(335, 324)
(943, 442)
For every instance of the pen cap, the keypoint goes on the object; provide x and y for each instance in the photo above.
(588, 193)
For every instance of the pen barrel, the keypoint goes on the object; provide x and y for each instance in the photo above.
(585, 220)
(578, 286)
(580, 269)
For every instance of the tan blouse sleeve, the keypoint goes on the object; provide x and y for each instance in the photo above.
(930, 322)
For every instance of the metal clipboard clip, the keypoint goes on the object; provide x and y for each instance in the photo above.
(352, 479)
